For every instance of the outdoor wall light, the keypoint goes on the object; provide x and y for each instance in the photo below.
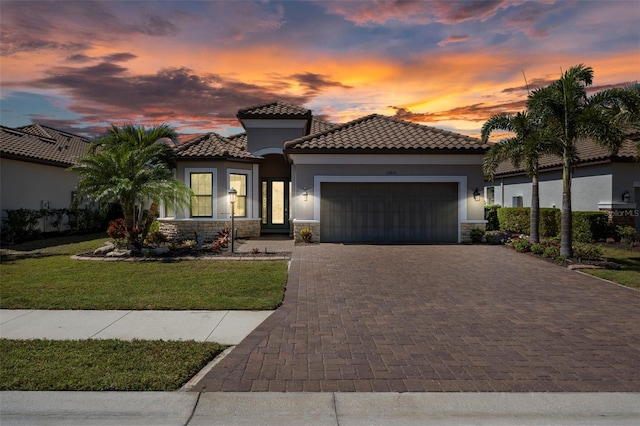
(476, 194)
(305, 194)
(626, 197)
(233, 194)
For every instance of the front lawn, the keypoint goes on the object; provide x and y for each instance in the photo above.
(629, 261)
(46, 278)
(101, 365)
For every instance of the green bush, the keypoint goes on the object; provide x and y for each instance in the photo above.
(587, 252)
(476, 234)
(627, 233)
(549, 222)
(589, 227)
(537, 248)
(553, 252)
(491, 216)
(21, 224)
(514, 219)
(521, 245)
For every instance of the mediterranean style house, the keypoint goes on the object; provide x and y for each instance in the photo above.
(374, 179)
(33, 167)
(602, 181)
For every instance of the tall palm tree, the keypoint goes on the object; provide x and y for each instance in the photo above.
(132, 166)
(569, 113)
(524, 148)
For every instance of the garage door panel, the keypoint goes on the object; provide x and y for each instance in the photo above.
(389, 212)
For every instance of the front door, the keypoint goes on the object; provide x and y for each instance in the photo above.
(275, 195)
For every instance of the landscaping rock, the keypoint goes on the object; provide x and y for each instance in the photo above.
(106, 248)
(119, 253)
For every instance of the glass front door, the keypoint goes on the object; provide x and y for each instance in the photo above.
(275, 204)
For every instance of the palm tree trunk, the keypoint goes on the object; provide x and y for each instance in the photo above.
(566, 243)
(534, 232)
(151, 216)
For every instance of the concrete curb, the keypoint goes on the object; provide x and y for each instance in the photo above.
(182, 408)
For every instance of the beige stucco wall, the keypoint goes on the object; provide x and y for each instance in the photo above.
(26, 185)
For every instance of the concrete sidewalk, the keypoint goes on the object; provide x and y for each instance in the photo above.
(224, 327)
(190, 408)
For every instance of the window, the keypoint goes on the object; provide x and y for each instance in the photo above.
(491, 195)
(239, 183)
(202, 199)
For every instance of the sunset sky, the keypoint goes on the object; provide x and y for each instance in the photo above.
(84, 65)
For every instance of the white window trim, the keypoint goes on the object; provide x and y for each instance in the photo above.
(214, 187)
(249, 198)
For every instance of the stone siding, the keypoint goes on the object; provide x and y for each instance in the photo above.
(185, 229)
(466, 228)
(312, 224)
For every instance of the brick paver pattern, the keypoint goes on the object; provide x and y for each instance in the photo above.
(438, 318)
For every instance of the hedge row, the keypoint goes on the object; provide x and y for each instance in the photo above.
(587, 226)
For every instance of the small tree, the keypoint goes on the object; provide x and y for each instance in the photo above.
(132, 166)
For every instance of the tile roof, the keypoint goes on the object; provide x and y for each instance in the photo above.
(274, 109)
(42, 144)
(213, 145)
(588, 152)
(380, 133)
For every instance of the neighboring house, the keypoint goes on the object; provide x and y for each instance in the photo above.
(601, 182)
(33, 167)
(374, 179)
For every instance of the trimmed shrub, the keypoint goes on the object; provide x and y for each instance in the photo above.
(549, 222)
(491, 216)
(476, 234)
(514, 219)
(589, 227)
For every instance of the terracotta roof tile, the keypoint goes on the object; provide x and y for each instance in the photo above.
(588, 152)
(274, 109)
(213, 145)
(380, 133)
(42, 144)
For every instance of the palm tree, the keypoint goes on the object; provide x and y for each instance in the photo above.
(568, 114)
(524, 148)
(132, 166)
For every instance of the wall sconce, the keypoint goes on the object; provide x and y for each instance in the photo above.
(626, 197)
(305, 194)
(476, 194)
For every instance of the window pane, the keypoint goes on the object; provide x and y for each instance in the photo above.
(277, 203)
(202, 200)
(239, 183)
(264, 203)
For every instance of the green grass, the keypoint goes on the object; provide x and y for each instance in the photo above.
(46, 278)
(629, 272)
(100, 365)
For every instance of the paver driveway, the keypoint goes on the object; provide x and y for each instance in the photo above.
(438, 318)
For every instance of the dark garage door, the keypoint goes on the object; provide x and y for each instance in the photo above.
(389, 212)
